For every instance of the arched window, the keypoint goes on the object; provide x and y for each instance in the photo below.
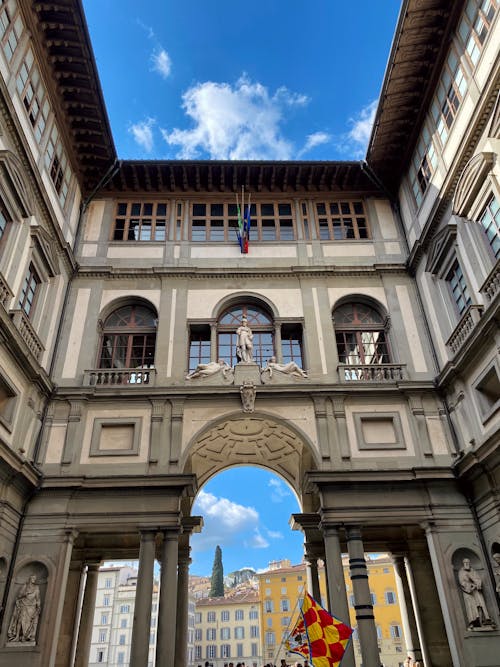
(128, 338)
(262, 328)
(361, 335)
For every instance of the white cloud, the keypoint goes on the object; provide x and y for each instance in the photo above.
(257, 541)
(162, 63)
(279, 490)
(275, 534)
(225, 522)
(235, 122)
(361, 127)
(143, 133)
(313, 140)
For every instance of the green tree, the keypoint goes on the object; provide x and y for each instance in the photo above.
(217, 580)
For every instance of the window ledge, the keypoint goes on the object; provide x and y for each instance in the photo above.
(131, 377)
(28, 334)
(464, 328)
(371, 372)
(5, 291)
(491, 285)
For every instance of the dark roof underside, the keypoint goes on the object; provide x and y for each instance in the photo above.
(221, 176)
(62, 34)
(419, 48)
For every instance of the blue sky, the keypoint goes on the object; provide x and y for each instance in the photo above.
(220, 79)
(273, 79)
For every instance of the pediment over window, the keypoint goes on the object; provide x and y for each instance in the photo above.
(471, 181)
(15, 191)
(46, 250)
(440, 248)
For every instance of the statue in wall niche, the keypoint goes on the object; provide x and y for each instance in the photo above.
(213, 367)
(291, 368)
(496, 558)
(244, 345)
(24, 621)
(475, 606)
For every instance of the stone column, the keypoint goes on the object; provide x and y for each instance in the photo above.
(165, 645)
(213, 342)
(70, 616)
(139, 651)
(87, 616)
(312, 574)
(277, 342)
(337, 596)
(182, 606)
(406, 606)
(363, 604)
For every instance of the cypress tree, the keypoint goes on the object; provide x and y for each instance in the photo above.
(217, 580)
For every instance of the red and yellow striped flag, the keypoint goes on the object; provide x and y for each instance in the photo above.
(328, 637)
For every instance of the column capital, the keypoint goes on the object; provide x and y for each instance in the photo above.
(353, 533)
(147, 535)
(93, 565)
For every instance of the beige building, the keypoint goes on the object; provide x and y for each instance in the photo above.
(228, 630)
(379, 277)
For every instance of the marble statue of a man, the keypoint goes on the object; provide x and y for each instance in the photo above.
(475, 606)
(24, 621)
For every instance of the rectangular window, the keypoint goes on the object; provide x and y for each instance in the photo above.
(199, 352)
(108, 583)
(239, 632)
(123, 623)
(11, 27)
(396, 632)
(490, 221)
(458, 287)
(211, 617)
(218, 222)
(197, 617)
(255, 650)
(102, 635)
(211, 634)
(253, 615)
(254, 631)
(341, 220)
(224, 616)
(285, 620)
(225, 651)
(29, 290)
(475, 25)
(121, 640)
(270, 639)
(423, 164)
(285, 605)
(32, 92)
(239, 615)
(197, 652)
(141, 221)
(57, 165)
(268, 606)
(390, 597)
(225, 633)
(211, 651)
(449, 94)
(100, 656)
(239, 650)
(121, 658)
(124, 609)
(104, 619)
(198, 634)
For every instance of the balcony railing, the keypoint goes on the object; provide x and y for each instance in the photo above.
(464, 328)
(491, 285)
(133, 377)
(5, 293)
(28, 334)
(371, 372)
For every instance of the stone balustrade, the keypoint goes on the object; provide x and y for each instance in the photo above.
(5, 291)
(464, 328)
(28, 334)
(491, 285)
(371, 372)
(102, 377)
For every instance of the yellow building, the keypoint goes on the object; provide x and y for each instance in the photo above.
(281, 589)
(228, 630)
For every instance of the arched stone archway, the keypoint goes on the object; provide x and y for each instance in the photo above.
(258, 439)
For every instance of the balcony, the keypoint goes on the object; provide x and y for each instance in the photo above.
(5, 293)
(28, 334)
(371, 372)
(491, 285)
(464, 328)
(111, 377)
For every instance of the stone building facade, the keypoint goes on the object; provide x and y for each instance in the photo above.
(378, 277)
